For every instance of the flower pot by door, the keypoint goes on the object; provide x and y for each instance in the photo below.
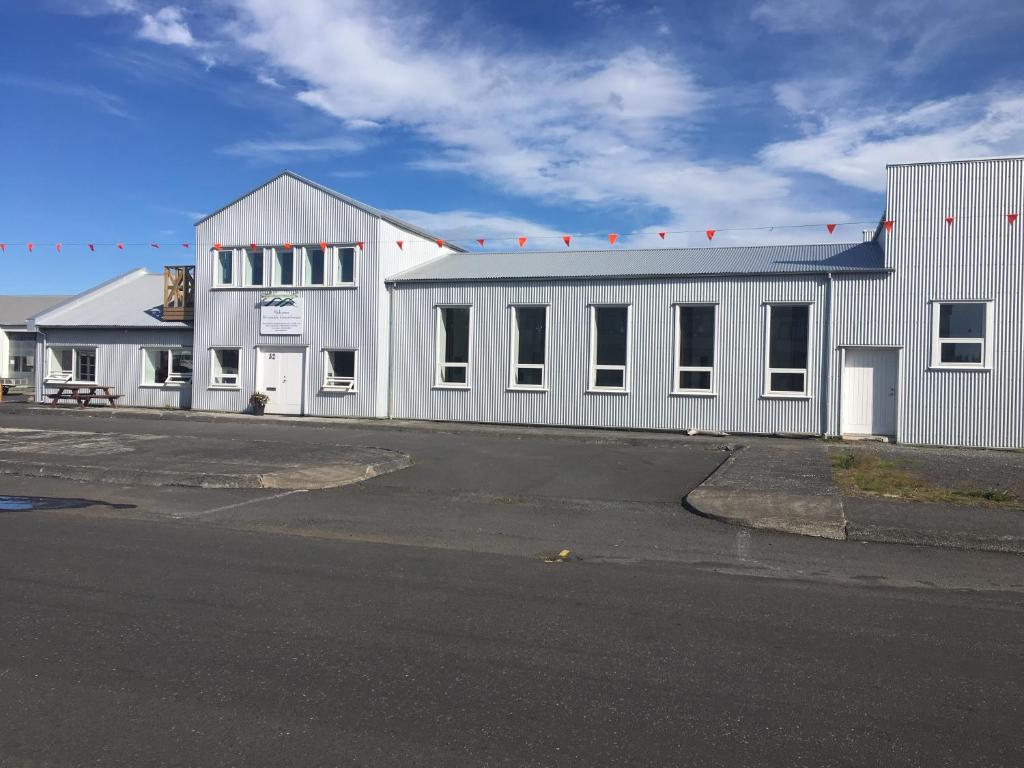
(258, 409)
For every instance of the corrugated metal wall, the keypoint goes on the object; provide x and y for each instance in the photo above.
(119, 362)
(979, 257)
(738, 407)
(288, 210)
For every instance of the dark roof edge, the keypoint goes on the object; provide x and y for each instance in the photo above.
(651, 276)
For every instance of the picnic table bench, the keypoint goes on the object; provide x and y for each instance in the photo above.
(83, 394)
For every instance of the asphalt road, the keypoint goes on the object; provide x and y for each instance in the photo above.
(411, 620)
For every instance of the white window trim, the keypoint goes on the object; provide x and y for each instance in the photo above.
(768, 371)
(245, 262)
(514, 364)
(216, 267)
(275, 281)
(677, 369)
(593, 367)
(439, 362)
(340, 383)
(213, 360)
(304, 260)
(335, 278)
(179, 379)
(985, 341)
(68, 377)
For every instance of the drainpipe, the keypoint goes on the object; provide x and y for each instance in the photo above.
(391, 350)
(826, 368)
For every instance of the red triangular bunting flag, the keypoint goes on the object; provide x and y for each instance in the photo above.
(359, 245)
(949, 220)
(1012, 218)
(888, 225)
(710, 233)
(522, 241)
(184, 245)
(287, 246)
(401, 244)
(481, 241)
(3, 247)
(323, 246)
(120, 246)
(215, 245)
(154, 245)
(30, 246)
(91, 247)
(252, 246)
(440, 243)
(661, 235)
(58, 247)
(613, 237)
(831, 228)
(567, 239)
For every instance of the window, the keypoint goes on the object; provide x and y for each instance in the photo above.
(71, 364)
(961, 334)
(788, 334)
(284, 267)
(224, 368)
(344, 266)
(253, 267)
(224, 272)
(529, 347)
(166, 366)
(452, 347)
(609, 348)
(313, 271)
(340, 369)
(695, 348)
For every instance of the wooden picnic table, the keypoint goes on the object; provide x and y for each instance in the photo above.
(83, 394)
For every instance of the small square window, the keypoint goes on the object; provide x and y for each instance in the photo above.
(961, 334)
(340, 369)
(224, 368)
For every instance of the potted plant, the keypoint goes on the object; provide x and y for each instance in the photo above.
(258, 402)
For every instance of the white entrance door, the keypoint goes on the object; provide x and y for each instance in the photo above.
(869, 391)
(282, 377)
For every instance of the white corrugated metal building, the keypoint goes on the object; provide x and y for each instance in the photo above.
(17, 342)
(914, 334)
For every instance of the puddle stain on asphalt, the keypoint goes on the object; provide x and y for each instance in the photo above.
(25, 503)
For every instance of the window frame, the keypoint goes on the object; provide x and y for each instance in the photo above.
(335, 277)
(213, 384)
(306, 266)
(71, 378)
(247, 252)
(326, 384)
(593, 367)
(217, 282)
(985, 341)
(677, 367)
(439, 362)
(180, 380)
(803, 394)
(514, 364)
(275, 277)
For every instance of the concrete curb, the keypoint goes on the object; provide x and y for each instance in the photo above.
(820, 516)
(296, 478)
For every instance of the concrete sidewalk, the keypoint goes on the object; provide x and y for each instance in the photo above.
(788, 486)
(176, 460)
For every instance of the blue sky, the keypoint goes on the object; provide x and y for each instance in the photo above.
(125, 120)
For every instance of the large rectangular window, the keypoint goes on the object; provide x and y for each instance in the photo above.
(344, 266)
(609, 348)
(225, 274)
(453, 340)
(166, 366)
(253, 267)
(788, 338)
(961, 334)
(224, 365)
(695, 348)
(340, 369)
(284, 266)
(313, 267)
(66, 364)
(529, 347)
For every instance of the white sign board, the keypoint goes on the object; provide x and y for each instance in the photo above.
(281, 315)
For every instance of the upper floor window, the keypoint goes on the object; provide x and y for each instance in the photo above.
(284, 266)
(788, 339)
(961, 334)
(253, 267)
(695, 348)
(314, 272)
(453, 343)
(166, 366)
(609, 348)
(224, 271)
(344, 266)
(529, 347)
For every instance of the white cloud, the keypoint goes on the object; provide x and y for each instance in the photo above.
(854, 149)
(278, 149)
(268, 80)
(167, 26)
(104, 101)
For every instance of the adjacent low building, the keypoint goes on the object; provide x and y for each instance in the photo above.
(335, 308)
(17, 342)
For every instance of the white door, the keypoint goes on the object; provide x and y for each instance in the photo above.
(869, 391)
(282, 378)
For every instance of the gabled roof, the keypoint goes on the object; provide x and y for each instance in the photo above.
(408, 227)
(16, 310)
(132, 300)
(649, 262)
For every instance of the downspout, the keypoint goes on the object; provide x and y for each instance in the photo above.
(42, 363)
(826, 368)
(391, 350)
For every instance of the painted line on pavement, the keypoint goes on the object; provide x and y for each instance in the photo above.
(240, 504)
